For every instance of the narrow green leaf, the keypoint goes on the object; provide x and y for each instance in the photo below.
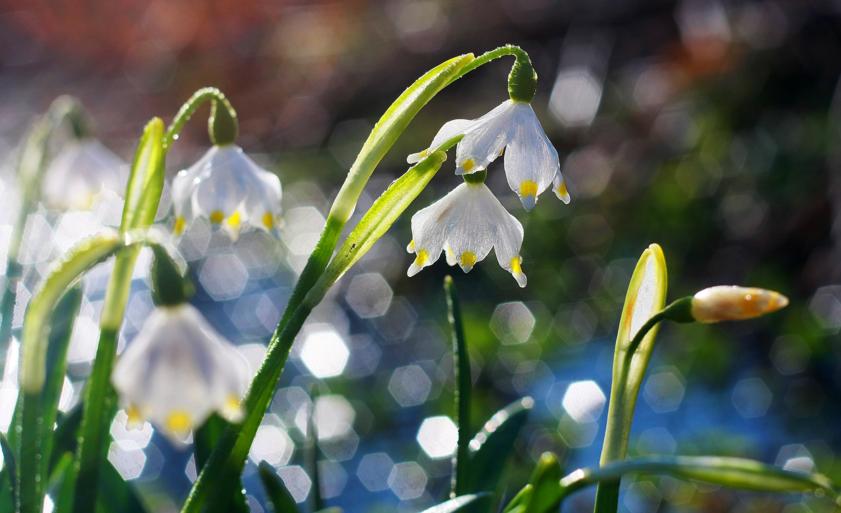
(544, 481)
(464, 385)
(65, 435)
(205, 440)
(9, 476)
(730, 472)
(281, 499)
(116, 494)
(493, 444)
(521, 501)
(100, 400)
(378, 219)
(146, 180)
(473, 503)
(61, 482)
(389, 128)
(63, 274)
(645, 298)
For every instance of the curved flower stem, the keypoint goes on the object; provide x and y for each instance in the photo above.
(222, 125)
(228, 459)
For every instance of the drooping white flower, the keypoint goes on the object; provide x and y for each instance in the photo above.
(80, 172)
(178, 370)
(732, 303)
(228, 188)
(512, 128)
(466, 224)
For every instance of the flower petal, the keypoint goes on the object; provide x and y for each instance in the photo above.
(485, 140)
(531, 162)
(447, 131)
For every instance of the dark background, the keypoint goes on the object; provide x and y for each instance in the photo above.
(708, 127)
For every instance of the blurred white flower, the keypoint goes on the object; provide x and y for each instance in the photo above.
(80, 172)
(467, 223)
(531, 162)
(178, 370)
(229, 189)
(732, 303)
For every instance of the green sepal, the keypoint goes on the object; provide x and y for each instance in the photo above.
(170, 286)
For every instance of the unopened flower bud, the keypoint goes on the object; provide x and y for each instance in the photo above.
(732, 303)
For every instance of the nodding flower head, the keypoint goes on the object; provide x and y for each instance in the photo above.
(512, 128)
(731, 303)
(178, 370)
(466, 224)
(229, 189)
(81, 171)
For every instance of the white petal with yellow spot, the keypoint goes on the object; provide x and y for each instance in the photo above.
(178, 370)
(512, 129)
(229, 189)
(466, 224)
(80, 172)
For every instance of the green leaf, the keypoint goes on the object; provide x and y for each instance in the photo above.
(730, 472)
(61, 482)
(100, 401)
(389, 127)
(521, 501)
(205, 440)
(146, 180)
(116, 494)
(281, 499)
(645, 298)
(544, 481)
(9, 476)
(464, 385)
(473, 503)
(63, 274)
(378, 219)
(492, 445)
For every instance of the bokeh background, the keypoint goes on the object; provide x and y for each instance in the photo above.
(710, 127)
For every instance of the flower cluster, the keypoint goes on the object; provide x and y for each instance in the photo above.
(469, 221)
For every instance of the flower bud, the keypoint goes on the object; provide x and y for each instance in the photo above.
(732, 303)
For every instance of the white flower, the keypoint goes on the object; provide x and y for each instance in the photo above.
(531, 162)
(229, 189)
(80, 172)
(732, 303)
(178, 370)
(467, 223)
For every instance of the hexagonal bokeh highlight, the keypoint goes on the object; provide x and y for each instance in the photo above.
(373, 471)
(333, 417)
(223, 276)
(271, 444)
(438, 437)
(664, 390)
(795, 457)
(512, 322)
(409, 385)
(584, 401)
(297, 481)
(751, 397)
(129, 463)
(407, 480)
(324, 352)
(369, 295)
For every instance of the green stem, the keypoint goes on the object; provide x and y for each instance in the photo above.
(100, 399)
(228, 459)
(30, 479)
(222, 124)
(461, 365)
